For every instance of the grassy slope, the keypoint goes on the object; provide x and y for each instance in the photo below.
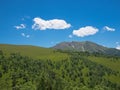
(44, 53)
(33, 51)
(110, 63)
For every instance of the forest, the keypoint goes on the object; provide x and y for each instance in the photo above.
(81, 71)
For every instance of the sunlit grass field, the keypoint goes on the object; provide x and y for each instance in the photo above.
(33, 52)
(111, 63)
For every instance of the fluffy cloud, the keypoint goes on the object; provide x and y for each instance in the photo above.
(108, 28)
(118, 46)
(85, 31)
(21, 26)
(24, 35)
(41, 24)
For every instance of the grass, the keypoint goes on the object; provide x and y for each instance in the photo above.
(108, 62)
(47, 53)
(113, 78)
(33, 52)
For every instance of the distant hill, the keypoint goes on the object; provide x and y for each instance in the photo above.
(32, 51)
(86, 46)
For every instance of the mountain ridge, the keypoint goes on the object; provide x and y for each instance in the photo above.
(88, 46)
(85, 46)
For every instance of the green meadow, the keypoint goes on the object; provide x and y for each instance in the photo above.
(36, 68)
(33, 52)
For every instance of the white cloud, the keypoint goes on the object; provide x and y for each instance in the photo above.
(41, 24)
(21, 26)
(118, 45)
(108, 28)
(85, 31)
(70, 36)
(24, 35)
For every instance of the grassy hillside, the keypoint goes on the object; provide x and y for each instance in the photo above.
(79, 72)
(56, 70)
(112, 63)
(33, 52)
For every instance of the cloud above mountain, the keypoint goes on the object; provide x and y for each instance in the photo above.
(41, 24)
(85, 31)
(118, 45)
(61, 24)
(70, 36)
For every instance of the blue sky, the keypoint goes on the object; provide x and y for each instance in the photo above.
(48, 22)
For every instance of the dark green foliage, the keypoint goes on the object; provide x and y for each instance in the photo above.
(75, 73)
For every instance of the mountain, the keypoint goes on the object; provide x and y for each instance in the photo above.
(86, 46)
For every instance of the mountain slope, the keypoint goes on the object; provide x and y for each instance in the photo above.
(32, 51)
(76, 72)
(86, 46)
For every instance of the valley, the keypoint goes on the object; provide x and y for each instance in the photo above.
(25, 67)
